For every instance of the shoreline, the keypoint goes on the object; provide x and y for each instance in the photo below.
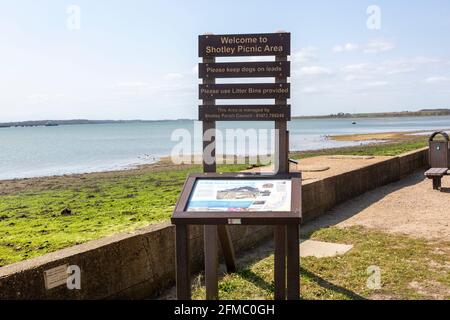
(384, 136)
(164, 162)
(80, 158)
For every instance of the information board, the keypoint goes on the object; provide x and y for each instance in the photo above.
(241, 195)
(252, 198)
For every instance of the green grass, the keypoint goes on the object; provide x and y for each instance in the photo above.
(31, 223)
(383, 149)
(410, 269)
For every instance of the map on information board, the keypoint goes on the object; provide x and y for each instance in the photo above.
(240, 195)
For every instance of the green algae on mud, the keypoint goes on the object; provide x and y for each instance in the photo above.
(32, 221)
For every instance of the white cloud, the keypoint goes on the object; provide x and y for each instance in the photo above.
(376, 74)
(195, 70)
(310, 90)
(44, 97)
(352, 77)
(305, 55)
(356, 68)
(132, 84)
(437, 79)
(377, 46)
(425, 60)
(348, 47)
(373, 46)
(367, 70)
(173, 76)
(315, 71)
(377, 84)
(397, 66)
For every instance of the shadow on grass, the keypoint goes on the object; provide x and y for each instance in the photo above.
(252, 277)
(256, 280)
(330, 286)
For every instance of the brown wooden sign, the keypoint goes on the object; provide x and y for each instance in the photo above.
(279, 69)
(245, 91)
(217, 200)
(244, 113)
(260, 44)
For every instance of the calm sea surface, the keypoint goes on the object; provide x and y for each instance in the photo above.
(43, 151)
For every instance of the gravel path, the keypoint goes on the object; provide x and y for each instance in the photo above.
(409, 206)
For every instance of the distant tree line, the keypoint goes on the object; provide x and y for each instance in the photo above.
(342, 115)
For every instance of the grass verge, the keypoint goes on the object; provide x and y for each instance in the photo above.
(410, 269)
(379, 149)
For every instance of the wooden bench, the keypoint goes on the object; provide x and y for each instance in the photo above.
(436, 174)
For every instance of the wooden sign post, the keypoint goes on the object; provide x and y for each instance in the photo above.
(193, 209)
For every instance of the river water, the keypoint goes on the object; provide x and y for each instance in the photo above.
(43, 151)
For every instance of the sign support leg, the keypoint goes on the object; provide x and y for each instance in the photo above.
(211, 263)
(227, 248)
(183, 272)
(280, 262)
(293, 262)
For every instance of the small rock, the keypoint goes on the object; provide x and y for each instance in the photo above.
(66, 212)
(22, 215)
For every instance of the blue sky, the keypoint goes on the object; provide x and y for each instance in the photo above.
(137, 59)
